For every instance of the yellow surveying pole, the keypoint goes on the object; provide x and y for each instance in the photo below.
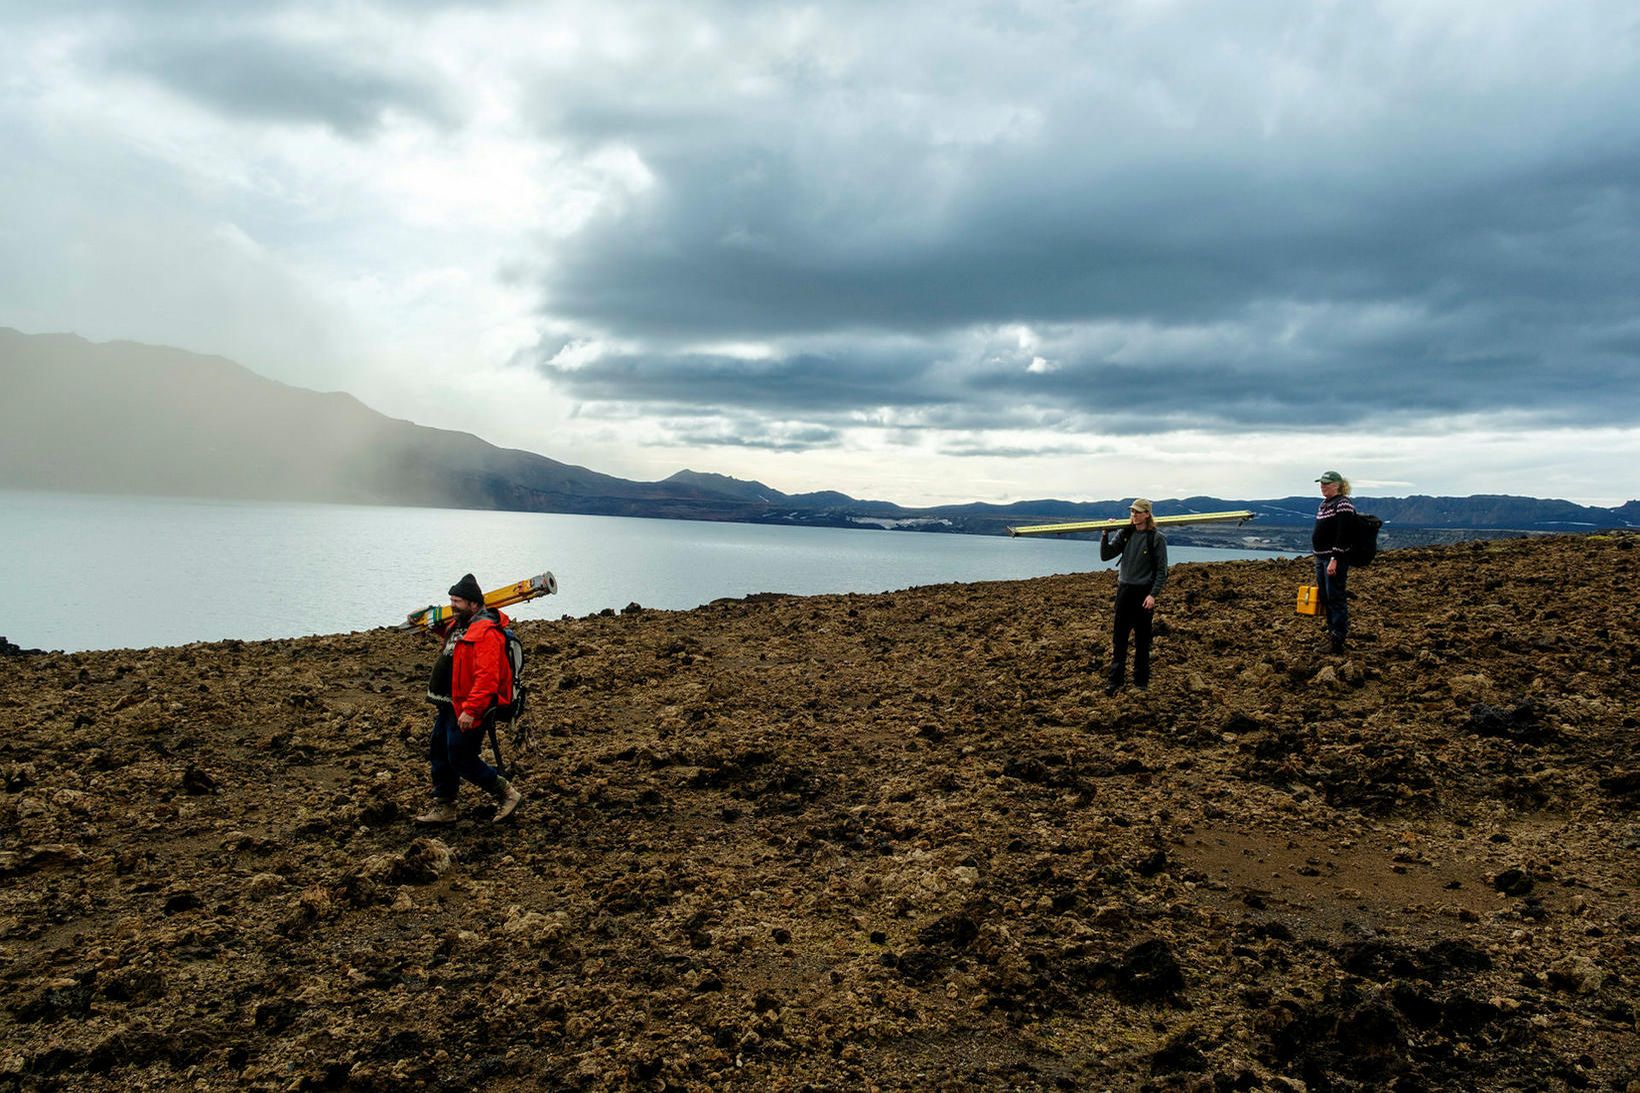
(1240, 516)
(544, 584)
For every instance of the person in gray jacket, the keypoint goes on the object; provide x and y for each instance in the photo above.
(1139, 580)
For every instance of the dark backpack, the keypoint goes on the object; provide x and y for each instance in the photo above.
(509, 712)
(1365, 547)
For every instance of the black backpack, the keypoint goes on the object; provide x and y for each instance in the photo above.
(509, 712)
(515, 660)
(1365, 547)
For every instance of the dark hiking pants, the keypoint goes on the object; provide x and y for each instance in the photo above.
(1131, 615)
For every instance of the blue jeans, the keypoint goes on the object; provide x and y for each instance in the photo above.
(454, 756)
(1334, 596)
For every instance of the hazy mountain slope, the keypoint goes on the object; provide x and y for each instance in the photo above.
(123, 417)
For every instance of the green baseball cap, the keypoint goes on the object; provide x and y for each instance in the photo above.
(1331, 476)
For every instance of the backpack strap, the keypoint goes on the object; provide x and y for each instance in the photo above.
(495, 743)
(520, 731)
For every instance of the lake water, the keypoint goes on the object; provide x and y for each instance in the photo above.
(90, 572)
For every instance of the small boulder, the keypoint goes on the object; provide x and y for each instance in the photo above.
(263, 885)
(1578, 974)
(534, 928)
(423, 862)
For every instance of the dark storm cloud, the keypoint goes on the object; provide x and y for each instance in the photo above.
(1249, 371)
(751, 434)
(809, 382)
(734, 250)
(257, 76)
(1343, 392)
(1390, 239)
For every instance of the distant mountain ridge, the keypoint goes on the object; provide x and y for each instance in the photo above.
(122, 417)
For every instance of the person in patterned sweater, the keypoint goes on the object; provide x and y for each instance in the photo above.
(1330, 543)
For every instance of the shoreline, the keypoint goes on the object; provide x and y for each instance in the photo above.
(12, 649)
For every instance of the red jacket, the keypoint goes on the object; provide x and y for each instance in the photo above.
(480, 675)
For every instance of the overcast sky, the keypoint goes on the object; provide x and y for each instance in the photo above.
(921, 251)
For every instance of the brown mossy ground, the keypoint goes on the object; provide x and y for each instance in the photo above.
(898, 840)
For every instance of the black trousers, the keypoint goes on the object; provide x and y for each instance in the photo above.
(1131, 615)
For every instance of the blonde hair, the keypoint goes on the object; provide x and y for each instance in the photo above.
(1343, 487)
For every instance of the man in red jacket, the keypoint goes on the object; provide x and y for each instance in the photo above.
(471, 675)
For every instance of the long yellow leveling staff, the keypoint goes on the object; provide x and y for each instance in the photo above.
(529, 588)
(1240, 517)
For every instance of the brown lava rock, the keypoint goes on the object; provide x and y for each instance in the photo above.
(898, 840)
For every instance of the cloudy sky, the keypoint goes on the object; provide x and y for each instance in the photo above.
(922, 251)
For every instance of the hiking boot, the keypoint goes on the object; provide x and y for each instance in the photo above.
(442, 812)
(1111, 689)
(1338, 646)
(506, 799)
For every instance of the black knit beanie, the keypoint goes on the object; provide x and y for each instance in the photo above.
(467, 588)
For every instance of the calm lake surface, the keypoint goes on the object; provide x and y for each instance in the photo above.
(89, 572)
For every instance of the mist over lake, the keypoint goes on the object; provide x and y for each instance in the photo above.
(80, 571)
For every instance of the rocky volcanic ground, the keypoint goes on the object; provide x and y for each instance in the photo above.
(899, 841)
